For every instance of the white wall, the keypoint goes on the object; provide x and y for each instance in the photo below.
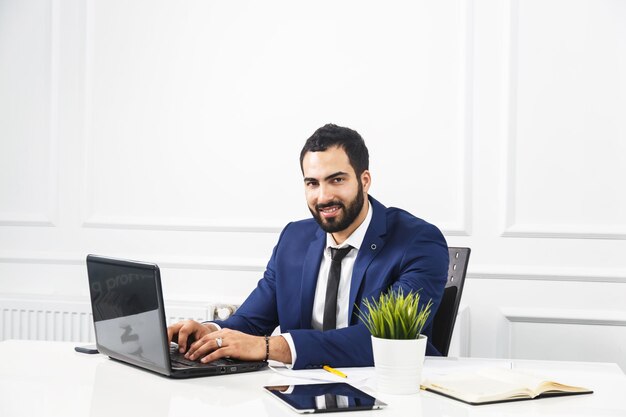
(170, 132)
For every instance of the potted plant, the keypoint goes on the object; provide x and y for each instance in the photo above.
(396, 321)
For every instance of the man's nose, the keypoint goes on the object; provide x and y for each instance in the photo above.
(325, 194)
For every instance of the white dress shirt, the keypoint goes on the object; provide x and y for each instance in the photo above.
(343, 295)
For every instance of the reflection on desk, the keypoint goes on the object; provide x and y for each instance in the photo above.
(51, 379)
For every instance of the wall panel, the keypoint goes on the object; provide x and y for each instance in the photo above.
(577, 335)
(196, 153)
(567, 98)
(28, 77)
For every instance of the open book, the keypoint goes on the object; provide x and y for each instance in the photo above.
(497, 385)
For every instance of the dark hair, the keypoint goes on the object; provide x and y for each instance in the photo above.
(349, 140)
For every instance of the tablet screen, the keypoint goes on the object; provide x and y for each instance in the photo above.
(322, 398)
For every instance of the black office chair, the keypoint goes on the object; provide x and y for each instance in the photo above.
(443, 323)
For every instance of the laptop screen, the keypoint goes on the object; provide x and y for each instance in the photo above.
(125, 303)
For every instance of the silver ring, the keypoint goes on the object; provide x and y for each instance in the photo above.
(219, 342)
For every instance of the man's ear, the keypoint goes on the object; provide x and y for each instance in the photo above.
(366, 180)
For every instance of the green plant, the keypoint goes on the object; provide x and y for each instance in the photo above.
(395, 315)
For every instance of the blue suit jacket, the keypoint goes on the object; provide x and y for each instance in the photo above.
(398, 251)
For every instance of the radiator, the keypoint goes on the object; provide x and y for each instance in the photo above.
(34, 319)
(71, 321)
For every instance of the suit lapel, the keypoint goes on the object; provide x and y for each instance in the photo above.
(373, 243)
(310, 271)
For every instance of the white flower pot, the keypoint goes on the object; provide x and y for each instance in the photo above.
(399, 364)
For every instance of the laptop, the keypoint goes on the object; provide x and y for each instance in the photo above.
(129, 321)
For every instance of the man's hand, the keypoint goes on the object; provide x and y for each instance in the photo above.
(186, 331)
(227, 343)
(235, 344)
(200, 342)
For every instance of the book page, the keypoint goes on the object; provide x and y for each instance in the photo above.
(531, 382)
(474, 387)
(536, 384)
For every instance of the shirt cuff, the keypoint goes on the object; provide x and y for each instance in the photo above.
(214, 324)
(292, 348)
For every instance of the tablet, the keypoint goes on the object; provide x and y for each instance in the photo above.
(324, 398)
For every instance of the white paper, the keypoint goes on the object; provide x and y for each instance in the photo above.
(284, 375)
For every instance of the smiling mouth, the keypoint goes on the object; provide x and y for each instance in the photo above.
(329, 211)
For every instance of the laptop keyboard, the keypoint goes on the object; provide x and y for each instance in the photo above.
(179, 359)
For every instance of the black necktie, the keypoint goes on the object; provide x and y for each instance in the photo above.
(330, 305)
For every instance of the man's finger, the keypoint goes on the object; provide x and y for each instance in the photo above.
(193, 347)
(217, 354)
(172, 331)
(201, 347)
(182, 339)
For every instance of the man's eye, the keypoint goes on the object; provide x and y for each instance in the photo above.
(338, 180)
(311, 183)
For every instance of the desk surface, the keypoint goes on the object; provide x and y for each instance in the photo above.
(50, 379)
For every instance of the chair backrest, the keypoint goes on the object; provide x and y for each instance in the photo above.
(443, 323)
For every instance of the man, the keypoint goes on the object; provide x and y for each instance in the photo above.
(382, 248)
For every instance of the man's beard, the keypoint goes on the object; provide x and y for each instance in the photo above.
(350, 213)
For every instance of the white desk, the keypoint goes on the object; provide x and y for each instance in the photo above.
(50, 379)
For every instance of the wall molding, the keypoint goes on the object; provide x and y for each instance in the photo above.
(199, 263)
(193, 225)
(510, 226)
(26, 219)
(466, 114)
(463, 226)
(509, 89)
(524, 273)
(215, 225)
(564, 316)
(564, 231)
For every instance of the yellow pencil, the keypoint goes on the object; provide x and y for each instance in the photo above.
(334, 371)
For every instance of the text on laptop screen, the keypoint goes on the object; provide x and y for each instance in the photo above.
(118, 291)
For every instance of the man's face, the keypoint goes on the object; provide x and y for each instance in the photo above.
(334, 194)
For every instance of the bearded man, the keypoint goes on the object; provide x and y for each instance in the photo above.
(354, 248)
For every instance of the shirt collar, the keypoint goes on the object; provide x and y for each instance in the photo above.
(356, 238)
